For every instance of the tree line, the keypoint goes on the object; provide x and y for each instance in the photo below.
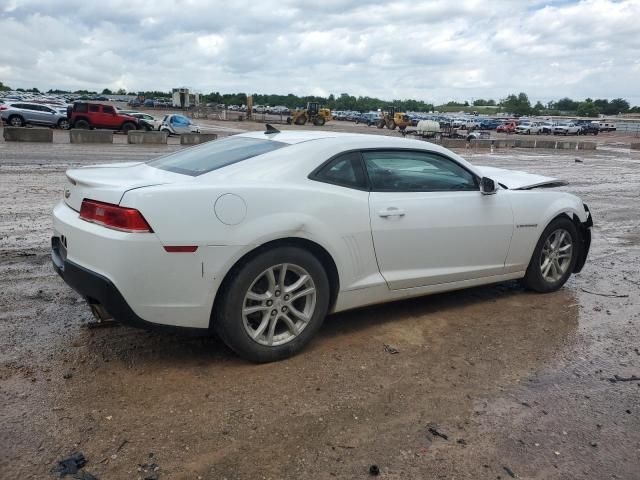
(517, 104)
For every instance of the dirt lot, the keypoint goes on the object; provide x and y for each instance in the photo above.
(517, 382)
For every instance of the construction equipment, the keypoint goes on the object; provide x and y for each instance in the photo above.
(392, 118)
(313, 113)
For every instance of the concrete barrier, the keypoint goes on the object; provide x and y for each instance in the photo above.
(23, 134)
(525, 144)
(587, 145)
(142, 137)
(546, 144)
(480, 143)
(79, 135)
(504, 143)
(196, 138)
(566, 145)
(453, 142)
(635, 146)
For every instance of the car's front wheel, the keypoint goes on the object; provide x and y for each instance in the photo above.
(273, 304)
(554, 257)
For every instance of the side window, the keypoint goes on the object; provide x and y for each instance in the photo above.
(94, 108)
(108, 109)
(345, 170)
(411, 171)
(81, 107)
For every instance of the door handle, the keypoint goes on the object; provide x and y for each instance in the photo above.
(391, 212)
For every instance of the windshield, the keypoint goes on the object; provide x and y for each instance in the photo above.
(213, 155)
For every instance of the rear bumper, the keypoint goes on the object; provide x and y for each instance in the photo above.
(97, 289)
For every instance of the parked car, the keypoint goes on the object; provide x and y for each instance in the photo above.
(152, 122)
(528, 128)
(507, 127)
(19, 114)
(176, 124)
(489, 124)
(99, 115)
(588, 128)
(567, 128)
(546, 127)
(241, 235)
(369, 118)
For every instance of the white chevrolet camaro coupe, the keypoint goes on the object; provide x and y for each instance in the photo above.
(258, 236)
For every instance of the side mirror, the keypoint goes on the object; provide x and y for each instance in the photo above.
(488, 186)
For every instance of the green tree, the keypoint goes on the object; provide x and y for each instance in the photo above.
(107, 91)
(566, 105)
(618, 105)
(121, 91)
(538, 107)
(517, 104)
(587, 109)
(4, 88)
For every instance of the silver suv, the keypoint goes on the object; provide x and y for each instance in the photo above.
(19, 114)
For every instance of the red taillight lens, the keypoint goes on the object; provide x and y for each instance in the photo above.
(3, 107)
(114, 216)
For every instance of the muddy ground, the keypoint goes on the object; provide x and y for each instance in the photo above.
(517, 382)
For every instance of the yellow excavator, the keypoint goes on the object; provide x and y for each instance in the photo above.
(391, 119)
(312, 114)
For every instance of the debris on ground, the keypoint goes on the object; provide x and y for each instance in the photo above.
(150, 470)
(509, 472)
(391, 349)
(71, 465)
(82, 475)
(610, 295)
(374, 470)
(461, 441)
(577, 160)
(67, 375)
(618, 378)
(436, 433)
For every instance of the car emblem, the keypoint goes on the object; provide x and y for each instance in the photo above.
(67, 193)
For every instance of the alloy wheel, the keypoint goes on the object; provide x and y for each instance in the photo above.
(279, 304)
(556, 255)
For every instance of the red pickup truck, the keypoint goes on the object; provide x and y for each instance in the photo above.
(98, 115)
(507, 127)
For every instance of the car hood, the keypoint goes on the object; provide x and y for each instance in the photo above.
(516, 180)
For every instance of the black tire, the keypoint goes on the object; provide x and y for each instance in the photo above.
(166, 130)
(63, 124)
(380, 124)
(391, 125)
(81, 123)
(16, 121)
(127, 126)
(301, 120)
(318, 121)
(228, 318)
(534, 279)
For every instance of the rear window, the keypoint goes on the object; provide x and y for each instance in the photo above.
(213, 155)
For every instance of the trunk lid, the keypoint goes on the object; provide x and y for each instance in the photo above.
(517, 180)
(108, 183)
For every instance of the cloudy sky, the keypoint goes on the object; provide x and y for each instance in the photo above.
(431, 50)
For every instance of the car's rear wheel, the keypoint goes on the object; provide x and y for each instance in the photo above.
(554, 257)
(83, 124)
(273, 304)
(16, 121)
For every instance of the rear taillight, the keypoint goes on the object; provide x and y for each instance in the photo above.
(114, 216)
(3, 107)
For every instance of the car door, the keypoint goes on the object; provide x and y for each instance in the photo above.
(109, 118)
(429, 221)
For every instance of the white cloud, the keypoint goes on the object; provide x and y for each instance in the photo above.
(433, 50)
